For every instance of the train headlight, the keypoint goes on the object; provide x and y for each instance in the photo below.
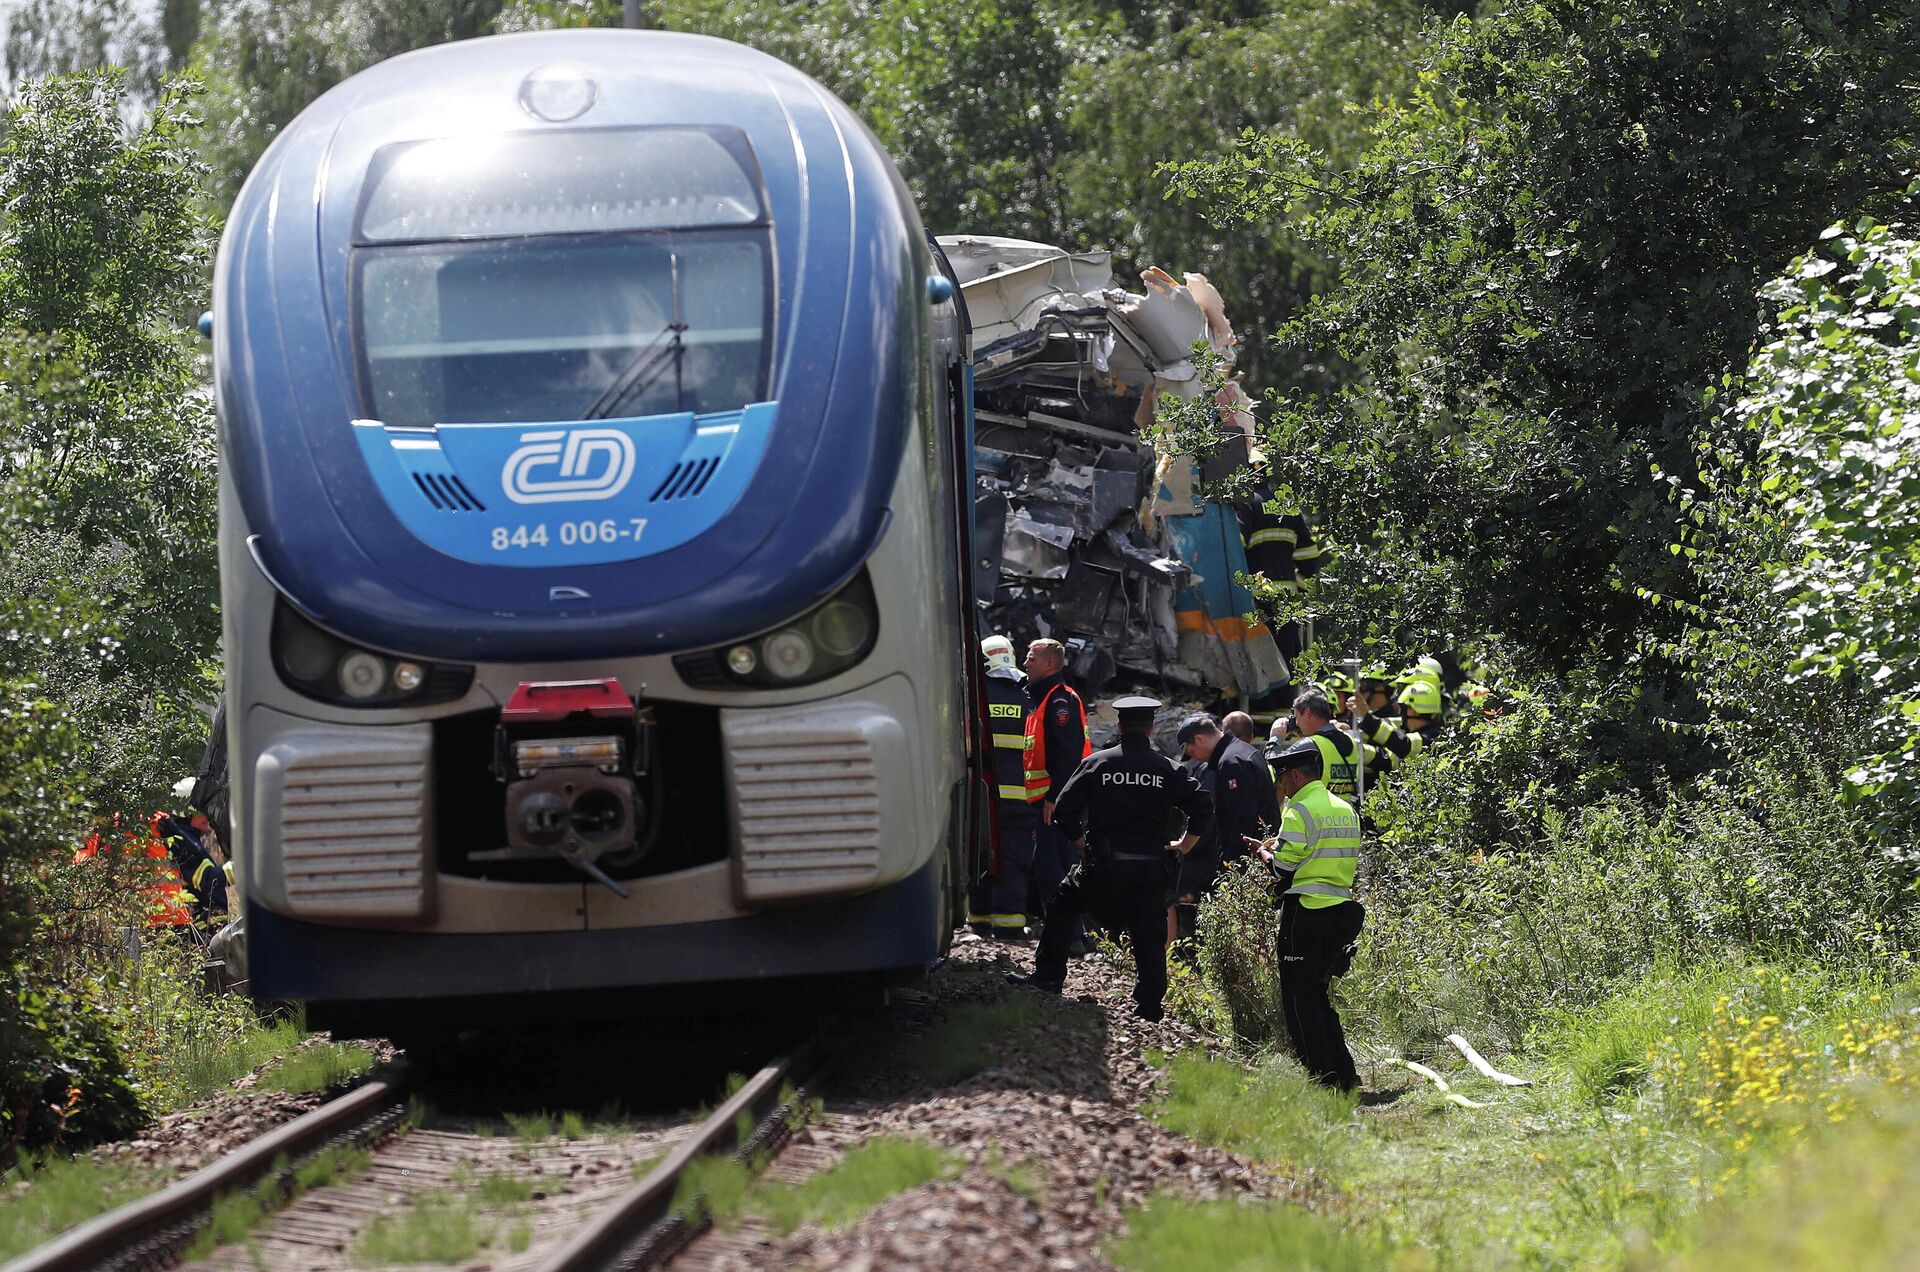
(823, 642)
(315, 662)
(362, 675)
(789, 654)
(841, 628)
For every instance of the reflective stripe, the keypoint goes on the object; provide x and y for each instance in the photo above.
(1322, 853)
(1014, 792)
(1293, 837)
(1013, 741)
(1320, 890)
(1039, 781)
(1009, 920)
(1271, 536)
(1308, 553)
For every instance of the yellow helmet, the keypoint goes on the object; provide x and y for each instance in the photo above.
(1421, 697)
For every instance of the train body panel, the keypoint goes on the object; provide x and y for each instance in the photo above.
(772, 779)
(320, 299)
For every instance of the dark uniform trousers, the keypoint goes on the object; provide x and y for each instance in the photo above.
(1315, 946)
(1123, 799)
(1121, 894)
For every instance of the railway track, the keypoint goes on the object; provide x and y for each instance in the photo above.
(613, 1224)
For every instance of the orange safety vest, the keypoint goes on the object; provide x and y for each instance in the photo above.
(1036, 752)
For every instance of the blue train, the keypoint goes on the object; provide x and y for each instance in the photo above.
(594, 422)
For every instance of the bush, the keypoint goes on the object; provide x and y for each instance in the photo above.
(1495, 898)
(63, 1076)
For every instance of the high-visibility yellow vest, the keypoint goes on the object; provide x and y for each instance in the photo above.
(1320, 843)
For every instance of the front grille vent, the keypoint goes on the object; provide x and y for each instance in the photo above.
(353, 828)
(809, 811)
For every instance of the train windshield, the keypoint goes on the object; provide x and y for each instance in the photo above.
(601, 274)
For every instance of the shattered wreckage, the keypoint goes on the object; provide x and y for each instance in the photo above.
(1084, 532)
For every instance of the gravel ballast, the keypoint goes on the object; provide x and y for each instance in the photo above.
(1062, 1098)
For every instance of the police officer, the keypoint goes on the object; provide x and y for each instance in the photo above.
(1055, 743)
(1000, 905)
(1315, 857)
(1244, 805)
(1313, 716)
(1118, 806)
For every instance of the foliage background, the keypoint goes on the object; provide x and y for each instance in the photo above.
(1590, 331)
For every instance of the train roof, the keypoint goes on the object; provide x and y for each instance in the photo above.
(804, 504)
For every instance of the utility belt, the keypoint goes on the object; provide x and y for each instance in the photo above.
(1133, 853)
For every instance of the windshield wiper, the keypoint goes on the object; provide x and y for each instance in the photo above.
(641, 370)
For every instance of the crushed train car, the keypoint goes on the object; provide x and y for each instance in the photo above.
(1084, 532)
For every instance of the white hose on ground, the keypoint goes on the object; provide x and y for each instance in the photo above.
(1479, 1062)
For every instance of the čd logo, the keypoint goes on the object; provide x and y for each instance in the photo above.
(584, 463)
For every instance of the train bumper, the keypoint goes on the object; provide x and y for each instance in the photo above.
(888, 929)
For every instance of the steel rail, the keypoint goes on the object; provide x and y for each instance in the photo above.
(639, 1229)
(151, 1231)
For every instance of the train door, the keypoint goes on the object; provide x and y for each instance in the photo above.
(978, 841)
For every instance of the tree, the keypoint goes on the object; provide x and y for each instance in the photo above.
(56, 37)
(1546, 255)
(264, 61)
(1185, 93)
(1806, 536)
(109, 623)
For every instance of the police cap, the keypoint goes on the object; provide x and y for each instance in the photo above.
(1135, 709)
(1196, 724)
(1287, 755)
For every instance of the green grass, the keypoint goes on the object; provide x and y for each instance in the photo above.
(318, 1068)
(1029, 1179)
(437, 1228)
(44, 1197)
(714, 1188)
(865, 1177)
(236, 1215)
(452, 1225)
(1272, 1112)
(539, 1125)
(1689, 1118)
(1842, 1201)
(1176, 1235)
(722, 1190)
(204, 1066)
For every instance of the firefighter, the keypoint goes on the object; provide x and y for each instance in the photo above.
(1375, 692)
(1118, 809)
(1315, 857)
(205, 882)
(1055, 743)
(999, 900)
(1281, 549)
(1398, 744)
